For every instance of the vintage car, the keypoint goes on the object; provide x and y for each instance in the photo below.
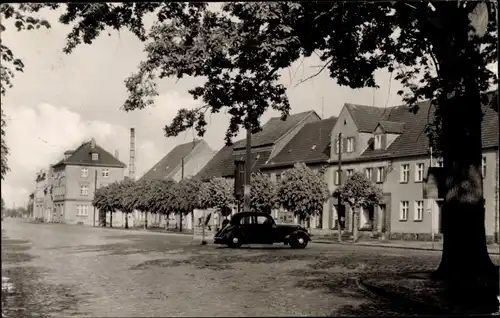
(260, 228)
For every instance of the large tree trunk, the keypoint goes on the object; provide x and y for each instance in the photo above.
(111, 219)
(146, 220)
(192, 220)
(126, 220)
(465, 259)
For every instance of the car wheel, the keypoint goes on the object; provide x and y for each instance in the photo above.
(298, 241)
(235, 241)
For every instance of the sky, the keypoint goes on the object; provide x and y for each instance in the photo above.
(63, 100)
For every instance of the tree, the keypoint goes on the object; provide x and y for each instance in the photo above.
(104, 200)
(160, 198)
(141, 197)
(359, 192)
(263, 193)
(302, 191)
(219, 194)
(186, 196)
(124, 198)
(23, 17)
(239, 53)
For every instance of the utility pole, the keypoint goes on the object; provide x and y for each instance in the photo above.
(339, 171)
(182, 178)
(248, 171)
(95, 189)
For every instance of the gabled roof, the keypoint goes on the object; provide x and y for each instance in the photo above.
(391, 127)
(274, 129)
(222, 164)
(310, 144)
(168, 164)
(82, 156)
(366, 118)
(414, 142)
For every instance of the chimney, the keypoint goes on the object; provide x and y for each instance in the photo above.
(117, 154)
(68, 154)
(92, 143)
(131, 167)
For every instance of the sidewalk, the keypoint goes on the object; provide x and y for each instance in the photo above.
(417, 245)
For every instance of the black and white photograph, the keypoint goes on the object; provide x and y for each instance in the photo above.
(246, 159)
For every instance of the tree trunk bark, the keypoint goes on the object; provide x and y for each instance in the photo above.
(111, 219)
(180, 222)
(355, 224)
(465, 259)
(146, 220)
(192, 220)
(126, 220)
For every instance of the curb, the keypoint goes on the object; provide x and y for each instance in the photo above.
(389, 246)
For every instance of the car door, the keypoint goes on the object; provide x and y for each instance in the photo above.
(264, 229)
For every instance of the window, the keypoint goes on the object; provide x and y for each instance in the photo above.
(419, 172)
(403, 211)
(338, 145)
(278, 177)
(405, 173)
(483, 167)
(378, 142)
(82, 210)
(105, 173)
(380, 174)
(419, 211)
(84, 189)
(349, 172)
(262, 220)
(84, 172)
(369, 173)
(350, 144)
(337, 177)
(95, 156)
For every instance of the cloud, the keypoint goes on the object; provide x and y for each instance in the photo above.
(37, 137)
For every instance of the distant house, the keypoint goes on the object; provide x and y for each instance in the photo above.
(195, 155)
(185, 160)
(75, 178)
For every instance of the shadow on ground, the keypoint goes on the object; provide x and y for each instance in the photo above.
(24, 293)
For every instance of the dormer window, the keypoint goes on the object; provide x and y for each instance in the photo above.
(95, 156)
(378, 142)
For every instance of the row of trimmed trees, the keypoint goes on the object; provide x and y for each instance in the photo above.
(301, 191)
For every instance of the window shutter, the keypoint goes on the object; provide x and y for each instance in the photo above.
(353, 144)
(344, 145)
(384, 141)
(383, 174)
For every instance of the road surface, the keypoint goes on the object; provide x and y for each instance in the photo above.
(64, 270)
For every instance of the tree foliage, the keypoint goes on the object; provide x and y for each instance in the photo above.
(302, 191)
(241, 50)
(104, 198)
(186, 195)
(359, 192)
(218, 193)
(262, 193)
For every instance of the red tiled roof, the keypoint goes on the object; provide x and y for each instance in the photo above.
(310, 144)
(273, 129)
(170, 162)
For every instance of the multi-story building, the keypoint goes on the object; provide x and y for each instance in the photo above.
(41, 206)
(266, 145)
(390, 146)
(185, 160)
(75, 178)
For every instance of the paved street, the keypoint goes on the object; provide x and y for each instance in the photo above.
(64, 270)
